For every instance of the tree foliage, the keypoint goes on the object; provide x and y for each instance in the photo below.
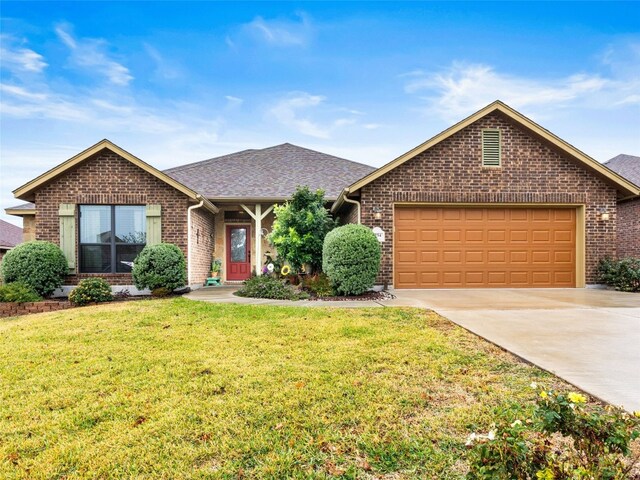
(300, 227)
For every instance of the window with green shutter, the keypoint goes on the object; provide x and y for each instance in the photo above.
(111, 237)
(491, 148)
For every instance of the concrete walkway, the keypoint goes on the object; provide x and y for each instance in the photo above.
(589, 337)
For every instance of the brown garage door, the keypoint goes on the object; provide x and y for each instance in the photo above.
(446, 247)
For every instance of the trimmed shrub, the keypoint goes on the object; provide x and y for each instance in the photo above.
(18, 292)
(351, 259)
(265, 286)
(41, 265)
(91, 290)
(623, 275)
(161, 265)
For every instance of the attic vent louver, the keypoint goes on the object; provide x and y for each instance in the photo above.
(491, 151)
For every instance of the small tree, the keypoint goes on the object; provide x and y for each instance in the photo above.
(300, 227)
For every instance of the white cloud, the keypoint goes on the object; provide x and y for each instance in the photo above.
(279, 32)
(287, 112)
(20, 59)
(90, 54)
(164, 69)
(463, 88)
(233, 102)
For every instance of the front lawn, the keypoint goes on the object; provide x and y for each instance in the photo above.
(184, 389)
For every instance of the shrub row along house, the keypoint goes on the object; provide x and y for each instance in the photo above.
(493, 201)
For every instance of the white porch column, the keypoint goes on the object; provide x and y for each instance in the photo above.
(258, 216)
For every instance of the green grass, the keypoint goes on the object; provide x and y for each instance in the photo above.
(183, 389)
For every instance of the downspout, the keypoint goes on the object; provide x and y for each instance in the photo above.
(357, 204)
(189, 242)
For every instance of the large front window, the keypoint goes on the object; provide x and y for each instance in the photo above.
(111, 237)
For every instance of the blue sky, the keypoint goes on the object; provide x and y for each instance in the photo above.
(179, 82)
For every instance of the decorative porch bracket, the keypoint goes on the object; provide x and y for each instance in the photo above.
(258, 216)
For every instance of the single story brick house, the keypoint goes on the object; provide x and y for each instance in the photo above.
(628, 224)
(493, 201)
(104, 205)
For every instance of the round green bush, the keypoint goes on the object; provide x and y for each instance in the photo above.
(41, 265)
(18, 292)
(160, 266)
(91, 290)
(351, 259)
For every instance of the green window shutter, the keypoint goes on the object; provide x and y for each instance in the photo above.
(67, 215)
(491, 148)
(154, 224)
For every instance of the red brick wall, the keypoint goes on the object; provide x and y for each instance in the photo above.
(347, 213)
(629, 228)
(107, 178)
(202, 244)
(531, 172)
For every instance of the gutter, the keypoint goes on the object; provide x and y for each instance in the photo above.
(342, 199)
(192, 207)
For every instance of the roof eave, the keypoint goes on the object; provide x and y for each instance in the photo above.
(20, 212)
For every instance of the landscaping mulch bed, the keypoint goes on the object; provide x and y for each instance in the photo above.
(367, 296)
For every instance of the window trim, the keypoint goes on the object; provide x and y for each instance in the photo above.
(112, 241)
(499, 164)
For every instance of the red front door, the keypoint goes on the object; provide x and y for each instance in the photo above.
(238, 252)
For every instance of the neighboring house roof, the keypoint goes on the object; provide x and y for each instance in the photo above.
(270, 173)
(26, 191)
(627, 166)
(10, 235)
(622, 184)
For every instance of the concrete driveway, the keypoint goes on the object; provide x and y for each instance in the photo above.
(589, 337)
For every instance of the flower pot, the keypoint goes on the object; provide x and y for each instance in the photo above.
(214, 274)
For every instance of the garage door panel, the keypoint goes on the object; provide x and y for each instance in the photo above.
(452, 256)
(474, 214)
(430, 236)
(496, 214)
(406, 236)
(408, 256)
(474, 256)
(563, 236)
(484, 247)
(496, 236)
(496, 256)
(519, 236)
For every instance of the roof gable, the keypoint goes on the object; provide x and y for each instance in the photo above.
(270, 173)
(622, 184)
(26, 191)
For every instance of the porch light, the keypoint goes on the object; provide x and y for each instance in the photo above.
(604, 215)
(377, 213)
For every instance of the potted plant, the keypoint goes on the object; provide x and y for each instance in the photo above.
(216, 266)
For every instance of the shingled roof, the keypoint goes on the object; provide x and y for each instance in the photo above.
(10, 235)
(270, 173)
(626, 165)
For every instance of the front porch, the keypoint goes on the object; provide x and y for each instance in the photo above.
(241, 231)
